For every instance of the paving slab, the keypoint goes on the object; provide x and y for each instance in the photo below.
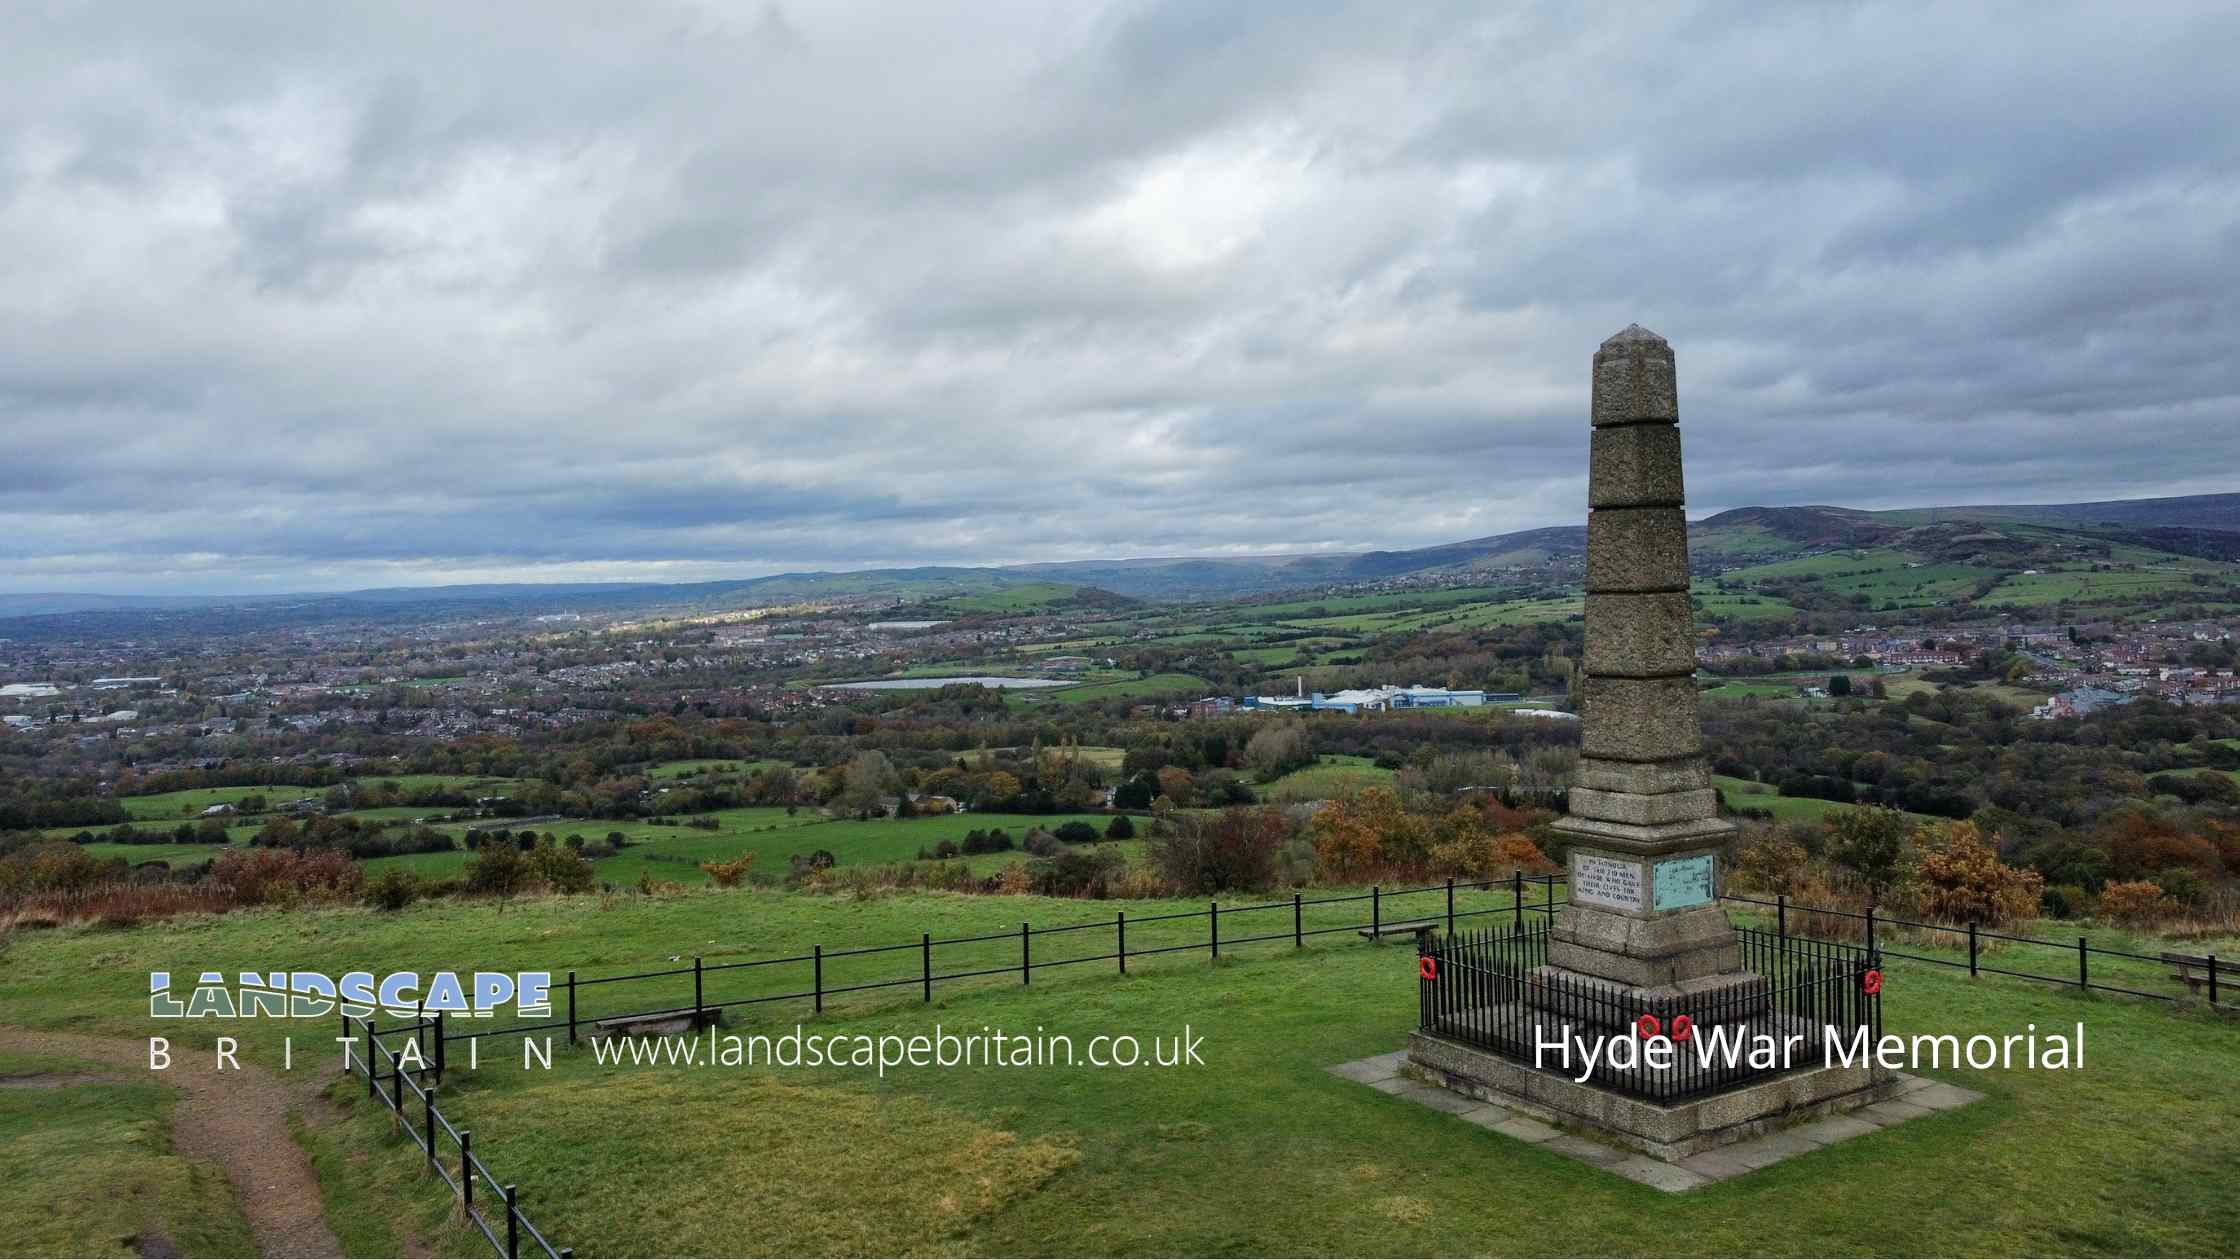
(1718, 1164)
(1364, 1071)
(1895, 1111)
(1834, 1129)
(1942, 1097)
(1671, 1178)
(1394, 1085)
(1525, 1129)
(1439, 1099)
(1587, 1149)
(1489, 1116)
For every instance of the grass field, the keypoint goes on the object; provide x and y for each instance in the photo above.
(1745, 794)
(1331, 776)
(2130, 1156)
(90, 1170)
(773, 836)
(1121, 689)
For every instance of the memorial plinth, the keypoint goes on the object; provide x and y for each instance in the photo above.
(1642, 929)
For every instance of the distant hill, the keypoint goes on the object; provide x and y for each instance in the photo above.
(2206, 526)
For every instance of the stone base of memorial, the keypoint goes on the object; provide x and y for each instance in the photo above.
(1670, 1132)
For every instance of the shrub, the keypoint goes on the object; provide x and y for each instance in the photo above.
(1076, 873)
(1367, 832)
(1769, 861)
(561, 870)
(947, 849)
(393, 889)
(1960, 879)
(1077, 832)
(2137, 903)
(1870, 843)
(497, 869)
(978, 841)
(284, 876)
(729, 874)
(1041, 843)
(1120, 829)
(2065, 901)
(1234, 849)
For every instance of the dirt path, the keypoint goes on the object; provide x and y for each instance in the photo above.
(236, 1120)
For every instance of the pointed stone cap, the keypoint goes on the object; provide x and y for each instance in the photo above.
(1632, 332)
(1633, 379)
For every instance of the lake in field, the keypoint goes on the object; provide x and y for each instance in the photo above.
(923, 684)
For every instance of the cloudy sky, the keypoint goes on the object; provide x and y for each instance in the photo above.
(302, 296)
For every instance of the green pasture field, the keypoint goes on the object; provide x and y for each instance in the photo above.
(140, 854)
(91, 1169)
(1740, 607)
(1010, 599)
(1333, 775)
(2130, 1155)
(709, 765)
(1121, 689)
(1880, 573)
(1746, 794)
(189, 803)
(2080, 585)
(675, 853)
(486, 784)
(1740, 689)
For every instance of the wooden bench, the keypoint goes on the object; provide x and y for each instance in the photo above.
(658, 1023)
(2193, 971)
(1409, 928)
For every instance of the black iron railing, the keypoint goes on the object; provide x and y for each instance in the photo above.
(1490, 989)
(413, 1054)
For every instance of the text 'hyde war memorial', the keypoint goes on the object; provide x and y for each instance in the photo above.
(1642, 951)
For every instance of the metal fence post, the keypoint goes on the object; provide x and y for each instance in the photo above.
(1548, 894)
(1120, 927)
(571, 1008)
(1516, 894)
(1213, 917)
(428, 1123)
(1026, 956)
(466, 1171)
(513, 1222)
(925, 946)
(439, 1045)
(1376, 911)
(817, 957)
(1870, 931)
(1450, 905)
(696, 1002)
(1781, 913)
(2212, 979)
(1298, 935)
(1971, 949)
(373, 1086)
(2084, 972)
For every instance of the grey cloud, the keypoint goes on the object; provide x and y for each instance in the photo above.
(352, 295)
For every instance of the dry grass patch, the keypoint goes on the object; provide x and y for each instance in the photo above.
(777, 1168)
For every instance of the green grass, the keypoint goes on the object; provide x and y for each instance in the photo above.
(2131, 1156)
(674, 852)
(706, 766)
(1331, 776)
(87, 1169)
(190, 802)
(1124, 689)
(1747, 794)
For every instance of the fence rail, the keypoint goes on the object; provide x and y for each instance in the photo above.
(423, 1121)
(1487, 989)
(822, 973)
(2216, 974)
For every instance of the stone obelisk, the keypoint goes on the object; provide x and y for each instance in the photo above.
(1642, 930)
(1644, 831)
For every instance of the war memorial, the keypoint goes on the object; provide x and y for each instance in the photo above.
(1631, 1017)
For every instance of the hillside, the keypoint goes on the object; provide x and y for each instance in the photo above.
(2182, 536)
